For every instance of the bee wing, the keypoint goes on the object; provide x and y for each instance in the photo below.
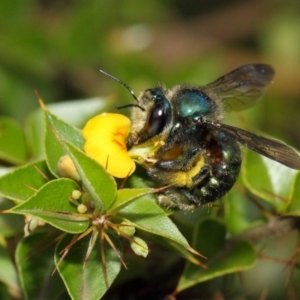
(243, 87)
(264, 146)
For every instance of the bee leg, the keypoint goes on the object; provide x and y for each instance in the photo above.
(174, 199)
(183, 164)
(181, 198)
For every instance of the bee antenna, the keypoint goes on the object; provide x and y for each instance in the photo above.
(130, 105)
(124, 84)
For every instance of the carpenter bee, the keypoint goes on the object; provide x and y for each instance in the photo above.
(188, 148)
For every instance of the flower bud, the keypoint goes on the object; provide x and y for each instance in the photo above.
(127, 228)
(86, 198)
(76, 194)
(82, 209)
(139, 247)
(66, 168)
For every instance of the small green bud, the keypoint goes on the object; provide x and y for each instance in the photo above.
(127, 228)
(33, 224)
(81, 208)
(139, 247)
(85, 198)
(76, 194)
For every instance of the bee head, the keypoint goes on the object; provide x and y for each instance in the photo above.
(150, 118)
(150, 113)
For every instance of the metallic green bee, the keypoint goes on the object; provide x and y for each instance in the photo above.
(194, 153)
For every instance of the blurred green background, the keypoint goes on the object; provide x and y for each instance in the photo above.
(56, 47)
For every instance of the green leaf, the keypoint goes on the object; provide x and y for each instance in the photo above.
(294, 207)
(34, 259)
(125, 196)
(35, 134)
(240, 211)
(209, 236)
(51, 204)
(12, 142)
(100, 185)
(58, 131)
(88, 281)
(268, 179)
(72, 112)
(148, 216)
(11, 225)
(23, 182)
(8, 274)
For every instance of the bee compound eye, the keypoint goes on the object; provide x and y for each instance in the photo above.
(157, 119)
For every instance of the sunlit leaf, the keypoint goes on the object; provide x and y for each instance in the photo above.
(56, 132)
(72, 112)
(52, 204)
(23, 182)
(148, 216)
(268, 179)
(125, 196)
(100, 185)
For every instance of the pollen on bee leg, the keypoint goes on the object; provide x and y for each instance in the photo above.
(159, 143)
(151, 160)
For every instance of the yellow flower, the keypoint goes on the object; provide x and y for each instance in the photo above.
(105, 141)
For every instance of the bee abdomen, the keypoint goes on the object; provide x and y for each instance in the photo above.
(212, 182)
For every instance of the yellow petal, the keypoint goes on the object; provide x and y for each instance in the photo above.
(105, 137)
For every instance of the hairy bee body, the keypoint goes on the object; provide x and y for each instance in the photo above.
(186, 147)
(201, 166)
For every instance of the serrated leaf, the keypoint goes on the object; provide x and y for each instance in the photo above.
(56, 132)
(51, 204)
(148, 216)
(12, 142)
(209, 240)
(274, 183)
(100, 185)
(86, 282)
(23, 182)
(35, 263)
